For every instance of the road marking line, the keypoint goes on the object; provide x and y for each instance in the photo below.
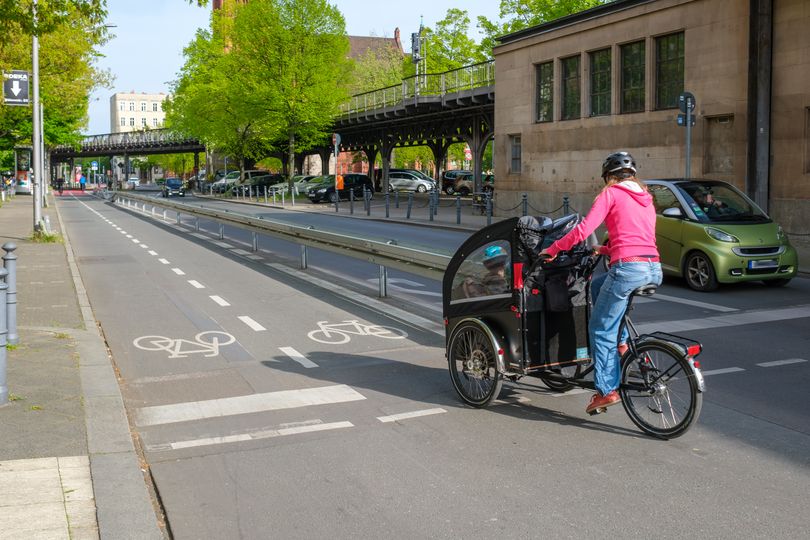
(573, 392)
(196, 284)
(298, 357)
(782, 362)
(199, 235)
(178, 272)
(152, 253)
(255, 436)
(721, 371)
(222, 245)
(255, 257)
(164, 261)
(123, 232)
(144, 246)
(240, 251)
(511, 401)
(59, 305)
(412, 414)
(251, 323)
(129, 236)
(736, 319)
(136, 241)
(695, 303)
(253, 403)
(219, 300)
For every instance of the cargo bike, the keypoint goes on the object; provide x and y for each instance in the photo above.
(509, 313)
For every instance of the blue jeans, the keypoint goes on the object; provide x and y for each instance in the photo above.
(610, 292)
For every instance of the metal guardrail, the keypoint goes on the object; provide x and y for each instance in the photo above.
(386, 254)
(432, 84)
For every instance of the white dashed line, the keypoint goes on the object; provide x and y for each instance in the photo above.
(298, 357)
(129, 236)
(164, 261)
(413, 414)
(144, 246)
(219, 300)
(178, 272)
(136, 241)
(240, 251)
(255, 257)
(222, 245)
(196, 284)
(152, 253)
(251, 323)
(782, 362)
(573, 392)
(258, 435)
(721, 371)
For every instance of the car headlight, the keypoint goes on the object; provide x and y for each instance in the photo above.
(780, 233)
(722, 236)
(322, 190)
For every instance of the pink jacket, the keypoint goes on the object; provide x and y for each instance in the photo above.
(629, 216)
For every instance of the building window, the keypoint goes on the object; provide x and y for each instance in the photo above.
(719, 147)
(121, 105)
(155, 106)
(807, 140)
(600, 82)
(154, 122)
(132, 122)
(143, 122)
(123, 121)
(632, 56)
(143, 106)
(669, 53)
(570, 88)
(545, 92)
(131, 105)
(514, 145)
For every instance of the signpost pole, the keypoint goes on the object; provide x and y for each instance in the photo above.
(36, 181)
(688, 137)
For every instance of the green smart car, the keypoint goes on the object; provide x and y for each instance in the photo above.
(709, 233)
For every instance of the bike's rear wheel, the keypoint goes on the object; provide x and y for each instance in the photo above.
(659, 391)
(471, 358)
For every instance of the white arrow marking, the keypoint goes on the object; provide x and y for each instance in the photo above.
(15, 88)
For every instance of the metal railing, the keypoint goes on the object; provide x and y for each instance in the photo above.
(433, 84)
(132, 139)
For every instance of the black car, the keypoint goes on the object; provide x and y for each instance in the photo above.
(449, 180)
(173, 186)
(256, 185)
(352, 183)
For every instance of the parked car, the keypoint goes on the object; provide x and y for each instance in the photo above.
(132, 183)
(256, 184)
(173, 186)
(409, 180)
(449, 180)
(466, 185)
(300, 184)
(709, 232)
(352, 183)
(240, 186)
(225, 183)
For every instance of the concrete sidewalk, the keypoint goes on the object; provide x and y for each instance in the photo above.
(68, 465)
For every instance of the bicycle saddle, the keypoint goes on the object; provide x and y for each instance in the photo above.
(645, 290)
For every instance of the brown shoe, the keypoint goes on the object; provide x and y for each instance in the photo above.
(600, 403)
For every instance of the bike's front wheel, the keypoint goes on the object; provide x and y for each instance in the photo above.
(471, 355)
(659, 391)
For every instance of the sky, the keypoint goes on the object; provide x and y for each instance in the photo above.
(147, 51)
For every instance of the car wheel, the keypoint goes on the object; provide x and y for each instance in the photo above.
(464, 192)
(776, 282)
(390, 188)
(699, 272)
(449, 190)
(421, 188)
(333, 197)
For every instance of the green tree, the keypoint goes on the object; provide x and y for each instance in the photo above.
(449, 46)
(378, 67)
(16, 15)
(519, 14)
(293, 54)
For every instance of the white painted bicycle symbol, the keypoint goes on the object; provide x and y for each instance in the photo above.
(206, 343)
(339, 333)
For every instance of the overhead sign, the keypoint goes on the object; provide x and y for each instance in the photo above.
(16, 88)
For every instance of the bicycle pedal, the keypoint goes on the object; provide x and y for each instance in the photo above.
(597, 411)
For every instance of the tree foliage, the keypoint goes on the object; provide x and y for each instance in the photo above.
(379, 67)
(519, 14)
(448, 46)
(69, 39)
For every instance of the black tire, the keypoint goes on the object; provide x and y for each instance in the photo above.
(699, 272)
(464, 191)
(776, 282)
(333, 197)
(421, 189)
(450, 190)
(471, 359)
(659, 391)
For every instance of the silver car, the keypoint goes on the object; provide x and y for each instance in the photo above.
(409, 181)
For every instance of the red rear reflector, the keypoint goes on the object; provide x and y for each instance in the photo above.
(693, 350)
(500, 352)
(696, 363)
(517, 272)
(446, 322)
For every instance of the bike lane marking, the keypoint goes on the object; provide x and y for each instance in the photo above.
(722, 371)
(298, 357)
(776, 363)
(178, 272)
(164, 261)
(693, 303)
(196, 284)
(153, 253)
(721, 321)
(412, 414)
(219, 300)
(251, 323)
(252, 403)
(144, 246)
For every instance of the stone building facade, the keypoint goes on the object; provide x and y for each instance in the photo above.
(573, 90)
(135, 111)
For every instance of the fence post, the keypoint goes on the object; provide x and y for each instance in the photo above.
(387, 205)
(525, 205)
(303, 257)
(396, 199)
(3, 332)
(351, 201)
(221, 231)
(283, 194)
(10, 307)
(367, 195)
(489, 208)
(255, 243)
(383, 281)
(458, 209)
(265, 194)
(435, 201)
(197, 224)
(164, 214)
(410, 205)
(565, 205)
(177, 219)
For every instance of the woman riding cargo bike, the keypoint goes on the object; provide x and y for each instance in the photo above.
(539, 326)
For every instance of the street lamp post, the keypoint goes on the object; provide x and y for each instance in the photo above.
(37, 125)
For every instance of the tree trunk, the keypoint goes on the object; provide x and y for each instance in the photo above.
(291, 161)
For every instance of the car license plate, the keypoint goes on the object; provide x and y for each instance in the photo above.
(768, 263)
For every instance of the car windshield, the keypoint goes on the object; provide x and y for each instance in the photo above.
(174, 182)
(233, 175)
(720, 202)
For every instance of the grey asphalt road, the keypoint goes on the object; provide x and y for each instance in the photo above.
(301, 429)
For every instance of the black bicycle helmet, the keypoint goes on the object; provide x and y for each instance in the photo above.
(618, 161)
